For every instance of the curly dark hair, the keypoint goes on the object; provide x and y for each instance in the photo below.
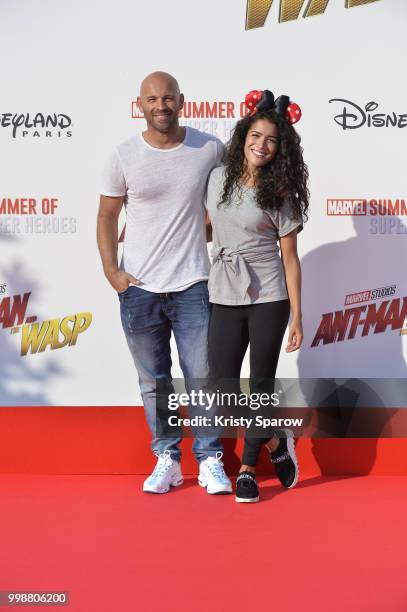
(285, 176)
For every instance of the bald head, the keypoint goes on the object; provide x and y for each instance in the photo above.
(161, 101)
(160, 80)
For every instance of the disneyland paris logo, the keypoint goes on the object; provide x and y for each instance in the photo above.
(352, 116)
(36, 125)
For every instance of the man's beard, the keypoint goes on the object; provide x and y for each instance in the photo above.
(172, 121)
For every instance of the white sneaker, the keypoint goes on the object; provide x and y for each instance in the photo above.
(166, 474)
(212, 475)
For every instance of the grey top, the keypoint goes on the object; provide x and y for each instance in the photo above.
(246, 266)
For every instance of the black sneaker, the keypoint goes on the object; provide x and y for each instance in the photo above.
(246, 488)
(285, 460)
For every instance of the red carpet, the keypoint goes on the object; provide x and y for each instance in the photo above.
(116, 440)
(329, 545)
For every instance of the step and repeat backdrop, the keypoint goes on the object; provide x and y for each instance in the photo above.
(70, 75)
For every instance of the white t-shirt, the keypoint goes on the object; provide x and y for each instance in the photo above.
(165, 241)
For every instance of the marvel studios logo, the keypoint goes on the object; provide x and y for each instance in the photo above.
(369, 295)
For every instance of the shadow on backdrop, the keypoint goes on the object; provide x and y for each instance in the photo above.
(330, 272)
(20, 383)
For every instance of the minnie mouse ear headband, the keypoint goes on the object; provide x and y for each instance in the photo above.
(264, 100)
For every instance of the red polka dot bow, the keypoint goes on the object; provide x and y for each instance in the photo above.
(257, 100)
(252, 99)
(294, 113)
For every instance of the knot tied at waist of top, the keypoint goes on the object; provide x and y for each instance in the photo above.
(230, 273)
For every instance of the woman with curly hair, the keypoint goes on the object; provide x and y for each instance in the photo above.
(257, 200)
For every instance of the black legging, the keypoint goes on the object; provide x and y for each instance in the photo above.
(231, 330)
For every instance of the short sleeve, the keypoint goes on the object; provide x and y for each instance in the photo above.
(283, 219)
(213, 187)
(220, 149)
(205, 193)
(113, 181)
(205, 197)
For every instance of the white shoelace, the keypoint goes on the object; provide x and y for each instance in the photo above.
(163, 465)
(216, 466)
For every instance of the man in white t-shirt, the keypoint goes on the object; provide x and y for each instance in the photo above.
(160, 176)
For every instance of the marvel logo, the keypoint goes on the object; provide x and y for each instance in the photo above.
(347, 207)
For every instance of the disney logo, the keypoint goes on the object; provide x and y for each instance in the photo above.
(353, 116)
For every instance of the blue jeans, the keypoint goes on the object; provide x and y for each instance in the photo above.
(148, 319)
